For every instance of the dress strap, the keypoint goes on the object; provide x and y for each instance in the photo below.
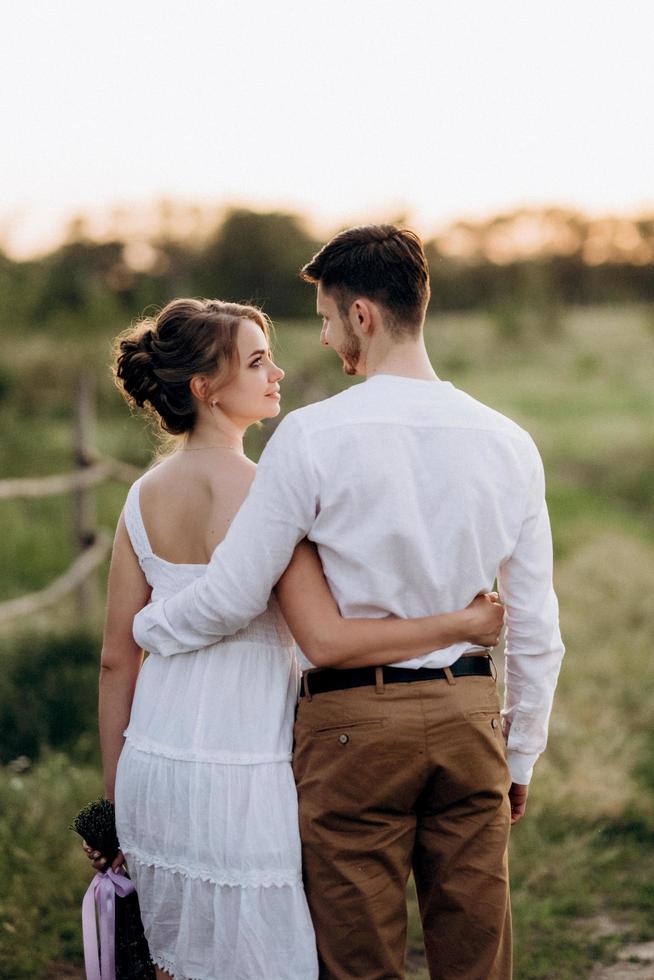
(134, 523)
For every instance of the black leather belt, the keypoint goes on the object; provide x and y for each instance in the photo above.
(330, 679)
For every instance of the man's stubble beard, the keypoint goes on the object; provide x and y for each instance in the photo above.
(350, 351)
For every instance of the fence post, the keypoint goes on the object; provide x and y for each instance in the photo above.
(85, 528)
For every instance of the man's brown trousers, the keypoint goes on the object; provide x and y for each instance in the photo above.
(395, 777)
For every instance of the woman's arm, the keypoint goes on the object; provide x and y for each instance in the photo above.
(127, 593)
(329, 640)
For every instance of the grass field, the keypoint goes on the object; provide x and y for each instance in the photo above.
(583, 858)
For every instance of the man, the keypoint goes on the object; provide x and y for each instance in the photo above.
(417, 497)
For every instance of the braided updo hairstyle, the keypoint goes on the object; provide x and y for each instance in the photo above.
(157, 357)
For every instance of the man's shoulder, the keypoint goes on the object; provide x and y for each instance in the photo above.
(327, 410)
(453, 408)
(479, 414)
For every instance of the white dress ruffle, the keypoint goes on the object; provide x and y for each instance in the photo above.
(206, 807)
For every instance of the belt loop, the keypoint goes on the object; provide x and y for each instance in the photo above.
(449, 675)
(493, 668)
(305, 679)
(379, 680)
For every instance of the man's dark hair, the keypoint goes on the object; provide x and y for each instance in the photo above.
(381, 263)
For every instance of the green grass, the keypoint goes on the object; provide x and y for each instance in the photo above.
(44, 871)
(583, 859)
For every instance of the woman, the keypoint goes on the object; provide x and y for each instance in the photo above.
(196, 748)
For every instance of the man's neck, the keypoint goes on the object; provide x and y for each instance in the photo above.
(408, 360)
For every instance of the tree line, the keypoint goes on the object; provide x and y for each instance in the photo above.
(529, 259)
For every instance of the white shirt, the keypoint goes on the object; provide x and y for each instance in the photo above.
(418, 497)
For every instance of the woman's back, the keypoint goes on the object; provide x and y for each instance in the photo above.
(189, 500)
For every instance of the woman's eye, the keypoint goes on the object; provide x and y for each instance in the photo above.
(257, 363)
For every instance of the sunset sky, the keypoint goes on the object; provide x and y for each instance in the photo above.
(344, 111)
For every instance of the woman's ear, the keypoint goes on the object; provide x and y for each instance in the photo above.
(199, 385)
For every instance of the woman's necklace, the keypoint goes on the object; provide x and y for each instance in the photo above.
(198, 449)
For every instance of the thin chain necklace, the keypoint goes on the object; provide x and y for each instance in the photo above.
(198, 449)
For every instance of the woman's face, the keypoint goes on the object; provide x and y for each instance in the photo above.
(253, 393)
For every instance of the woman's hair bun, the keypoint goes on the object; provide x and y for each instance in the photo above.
(135, 366)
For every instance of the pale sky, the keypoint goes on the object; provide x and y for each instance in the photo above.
(343, 110)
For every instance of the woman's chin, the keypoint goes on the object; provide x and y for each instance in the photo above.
(274, 410)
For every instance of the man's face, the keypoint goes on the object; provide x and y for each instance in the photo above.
(337, 332)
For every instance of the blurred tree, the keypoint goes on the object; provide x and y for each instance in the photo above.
(83, 280)
(522, 265)
(256, 257)
(17, 283)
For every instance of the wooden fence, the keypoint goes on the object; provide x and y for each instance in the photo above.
(91, 544)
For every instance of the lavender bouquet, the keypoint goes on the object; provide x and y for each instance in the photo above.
(124, 953)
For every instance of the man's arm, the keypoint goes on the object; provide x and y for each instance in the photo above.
(327, 639)
(278, 511)
(534, 649)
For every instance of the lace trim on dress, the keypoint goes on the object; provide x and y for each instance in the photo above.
(281, 878)
(149, 747)
(164, 963)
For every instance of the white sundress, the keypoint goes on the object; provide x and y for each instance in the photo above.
(206, 806)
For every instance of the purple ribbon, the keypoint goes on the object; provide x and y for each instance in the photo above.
(103, 890)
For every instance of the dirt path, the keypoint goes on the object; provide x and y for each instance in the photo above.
(636, 962)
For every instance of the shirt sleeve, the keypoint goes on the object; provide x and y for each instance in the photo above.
(277, 513)
(534, 648)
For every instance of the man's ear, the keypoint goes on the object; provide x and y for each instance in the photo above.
(361, 317)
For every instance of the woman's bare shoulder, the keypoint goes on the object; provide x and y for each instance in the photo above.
(191, 479)
(160, 471)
